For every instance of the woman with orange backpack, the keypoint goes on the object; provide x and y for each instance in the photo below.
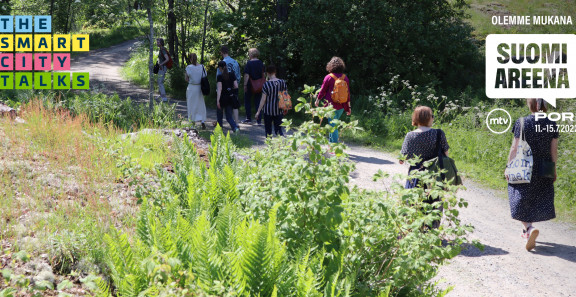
(336, 92)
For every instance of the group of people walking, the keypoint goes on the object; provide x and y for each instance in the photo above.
(261, 88)
(531, 201)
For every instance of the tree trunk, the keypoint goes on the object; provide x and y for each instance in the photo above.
(183, 39)
(151, 58)
(282, 7)
(282, 10)
(69, 17)
(172, 37)
(204, 32)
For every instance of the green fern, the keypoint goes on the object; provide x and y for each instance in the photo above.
(307, 283)
(103, 289)
(200, 243)
(229, 184)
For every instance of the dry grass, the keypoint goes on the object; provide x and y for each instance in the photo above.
(56, 175)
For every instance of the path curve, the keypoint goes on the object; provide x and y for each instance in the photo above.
(504, 268)
(104, 67)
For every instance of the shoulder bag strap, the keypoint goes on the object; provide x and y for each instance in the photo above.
(438, 144)
(204, 72)
(521, 128)
(440, 152)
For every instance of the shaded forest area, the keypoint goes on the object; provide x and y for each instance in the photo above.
(425, 42)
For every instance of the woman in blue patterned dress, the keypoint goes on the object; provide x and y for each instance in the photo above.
(534, 201)
(422, 143)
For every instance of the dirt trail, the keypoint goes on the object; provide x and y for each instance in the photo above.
(504, 268)
(104, 67)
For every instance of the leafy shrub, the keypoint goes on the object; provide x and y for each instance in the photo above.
(424, 41)
(206, 244)
(283, 222)
(310, 186)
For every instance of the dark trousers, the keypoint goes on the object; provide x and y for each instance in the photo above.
(277, 121)
(220, 114)
(248, 95)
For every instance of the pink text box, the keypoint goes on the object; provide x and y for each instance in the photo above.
(62, 61)
(6, 62)
(42, 62)
(24, 62)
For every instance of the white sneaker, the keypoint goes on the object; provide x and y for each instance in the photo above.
(532, 235)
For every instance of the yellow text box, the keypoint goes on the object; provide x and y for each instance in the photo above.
(23, 42)
(6, 42)
(42, 43)
(61, 43)
(80, 42)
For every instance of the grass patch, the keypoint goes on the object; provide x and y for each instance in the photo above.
(148, 148)
(239, 140)
(55, 177)
(64, 183)
(481, 12)
(121, 113)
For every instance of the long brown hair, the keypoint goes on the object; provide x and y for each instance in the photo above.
(224, 69)
(537, 105)
(193, 59)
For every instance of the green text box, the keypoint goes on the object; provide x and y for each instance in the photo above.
(80, 80)
(23, 81)
(6, 80)
(42, 80)
(61, 81)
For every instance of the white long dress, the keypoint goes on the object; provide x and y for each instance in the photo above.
(194, 97)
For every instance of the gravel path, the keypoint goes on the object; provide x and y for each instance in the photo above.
(504, 268)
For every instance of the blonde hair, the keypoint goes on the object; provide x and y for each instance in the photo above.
(253, 53)
(421, 116)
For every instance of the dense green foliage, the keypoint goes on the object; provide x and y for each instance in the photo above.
(73, 15)
(284, 222)
(423, 41)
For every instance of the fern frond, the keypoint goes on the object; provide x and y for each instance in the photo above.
(184, 242)
(200, 239)
(103, 288)
(127, 287)
(306, 283)
(229, 184)
(142, 228)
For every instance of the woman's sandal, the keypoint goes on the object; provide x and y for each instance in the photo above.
(533, 233)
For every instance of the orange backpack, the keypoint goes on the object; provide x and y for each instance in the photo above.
(340, 92)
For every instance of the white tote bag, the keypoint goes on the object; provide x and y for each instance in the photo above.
(519, 169)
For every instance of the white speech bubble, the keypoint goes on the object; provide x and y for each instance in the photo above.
(502, 79)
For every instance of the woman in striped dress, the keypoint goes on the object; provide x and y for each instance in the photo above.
(269, 102)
